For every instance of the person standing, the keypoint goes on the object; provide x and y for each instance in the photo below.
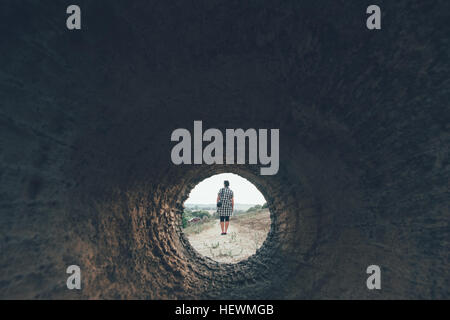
(225, 206)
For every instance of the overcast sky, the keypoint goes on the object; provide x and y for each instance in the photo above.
(244, 191)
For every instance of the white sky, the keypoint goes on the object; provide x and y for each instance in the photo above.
(244, 191)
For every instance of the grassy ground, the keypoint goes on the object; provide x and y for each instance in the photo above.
(245, 235)
(199, 227)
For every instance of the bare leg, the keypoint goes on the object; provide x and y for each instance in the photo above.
(221, 226)
(226, 225)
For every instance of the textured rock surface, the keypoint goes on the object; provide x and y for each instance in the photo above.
(85, 124)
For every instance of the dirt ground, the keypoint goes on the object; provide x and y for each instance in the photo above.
(246, 234)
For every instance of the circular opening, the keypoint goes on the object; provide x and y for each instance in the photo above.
(235, 230)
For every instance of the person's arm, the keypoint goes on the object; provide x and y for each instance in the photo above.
(232, 204)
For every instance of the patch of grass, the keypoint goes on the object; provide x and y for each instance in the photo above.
(233, 237)
(257, 240)
(228, 254)
(198, 227)
(215, 246)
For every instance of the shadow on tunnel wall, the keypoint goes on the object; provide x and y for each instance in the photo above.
(86, 119)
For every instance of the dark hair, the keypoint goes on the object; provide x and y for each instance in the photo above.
(226, 183)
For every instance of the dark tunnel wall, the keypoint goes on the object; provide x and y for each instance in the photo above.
(86, 118)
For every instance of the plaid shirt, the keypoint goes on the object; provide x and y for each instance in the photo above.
(225, 196)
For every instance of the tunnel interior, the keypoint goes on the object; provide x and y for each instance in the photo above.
(86, 174)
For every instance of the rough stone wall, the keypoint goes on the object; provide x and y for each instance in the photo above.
(86, 118)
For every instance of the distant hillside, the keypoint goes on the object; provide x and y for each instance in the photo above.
(212, 206)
